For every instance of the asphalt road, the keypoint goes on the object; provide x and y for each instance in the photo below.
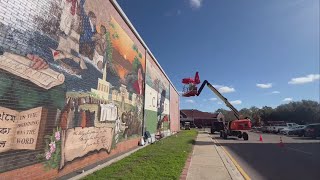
(296, 158)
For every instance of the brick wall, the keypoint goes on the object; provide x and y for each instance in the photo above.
(37, 171)
(72, 78)
(174, 110)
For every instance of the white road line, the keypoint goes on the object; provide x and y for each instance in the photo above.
(300, 151)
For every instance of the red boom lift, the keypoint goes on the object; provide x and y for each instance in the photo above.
(236, 127)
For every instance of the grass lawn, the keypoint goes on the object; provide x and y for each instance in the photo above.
(164, 159)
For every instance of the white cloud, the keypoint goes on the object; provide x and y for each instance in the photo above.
(190, 101)
(236, 102)
(213, 99)
(264, 86)
(196, 4)
(219, 102)
(275, 92)
(287, 99)
(306, 79)
(224, 89)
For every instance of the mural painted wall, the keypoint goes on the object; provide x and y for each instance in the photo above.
(156, 99)
(71, 81)
(174, 110)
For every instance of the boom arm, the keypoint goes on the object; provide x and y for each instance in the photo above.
(225, 100)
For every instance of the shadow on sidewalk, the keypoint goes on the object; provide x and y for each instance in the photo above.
(229, 138)
(203, 143)
(202, 132)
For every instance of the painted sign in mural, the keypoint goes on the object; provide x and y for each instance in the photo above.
(157, 99)
(71, 81)
(79, 141)
(19, 130)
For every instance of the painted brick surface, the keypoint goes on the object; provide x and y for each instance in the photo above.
(174, 110)
(72, 86)
(157, 106)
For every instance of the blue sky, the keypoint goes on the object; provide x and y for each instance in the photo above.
(257, 52)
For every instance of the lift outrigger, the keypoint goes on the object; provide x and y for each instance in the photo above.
(236, 127)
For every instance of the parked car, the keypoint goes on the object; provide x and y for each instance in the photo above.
(270, 129)
(293, 130)
(256, 129)
(279, 127)
(187, 126)
(286, 130)
(299, 130)
(312, 130)
(264, 129)
(292, 124)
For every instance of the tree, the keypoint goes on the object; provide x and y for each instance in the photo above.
(245, 112)
(300, 112)
(228, 115)
(256, 115)
(266, 113)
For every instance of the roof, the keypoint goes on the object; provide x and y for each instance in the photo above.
(198, 114)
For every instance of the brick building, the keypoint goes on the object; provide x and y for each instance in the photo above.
(198, 118)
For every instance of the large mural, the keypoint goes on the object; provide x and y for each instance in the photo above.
(71, 82)
(157, 120)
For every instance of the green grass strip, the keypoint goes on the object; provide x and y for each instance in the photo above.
(164, 159)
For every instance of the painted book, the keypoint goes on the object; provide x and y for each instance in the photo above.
(21, 130)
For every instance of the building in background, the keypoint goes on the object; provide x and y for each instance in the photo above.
(198, 118)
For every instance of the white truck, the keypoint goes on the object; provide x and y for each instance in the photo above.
(277, 128)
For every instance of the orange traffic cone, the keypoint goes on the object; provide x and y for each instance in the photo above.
(281, 143)
(260, 139)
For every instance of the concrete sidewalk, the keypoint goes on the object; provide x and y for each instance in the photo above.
(209, 161)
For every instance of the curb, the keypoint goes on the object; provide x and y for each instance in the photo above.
(101, 166)
(184, 173)
(234, 169)
(243, 173)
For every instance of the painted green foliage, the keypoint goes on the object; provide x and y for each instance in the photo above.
(52, 155)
